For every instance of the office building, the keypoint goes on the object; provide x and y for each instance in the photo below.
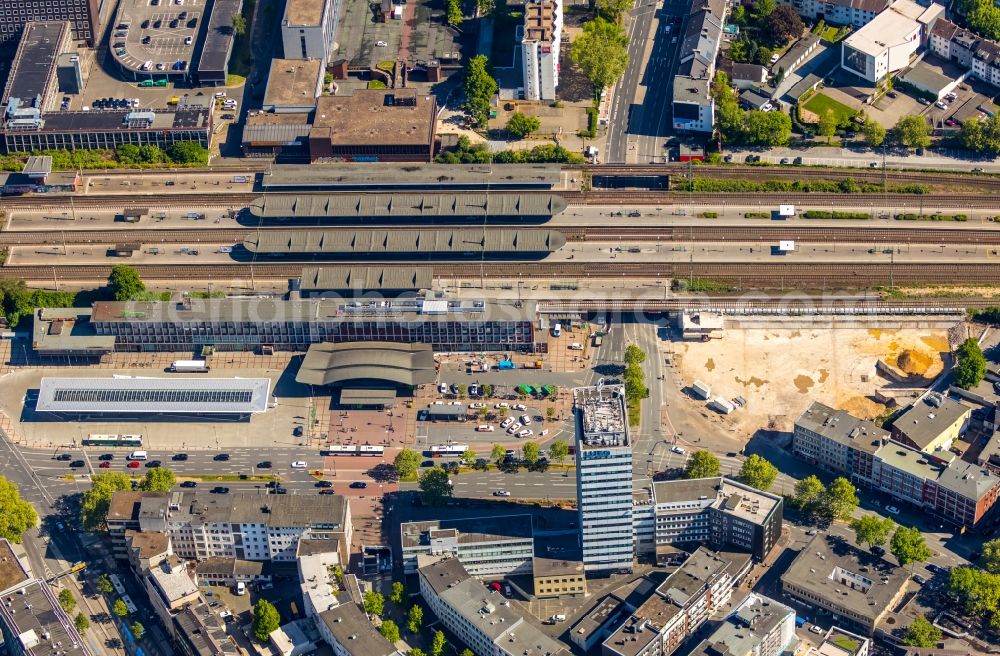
(293, 86)
(719, 512)
(940, 483)
(693, 105)
(309, 29)
(840, 642)
(479, 617)
(349, 632)
(680, 605)
(890, 41)
(856, 587)
(757, 627)
(540, 48)
(487, 547)
(604, 478)
(555, 577)
(82, 16)
(239, 525)
(932, 423)
(609, 612)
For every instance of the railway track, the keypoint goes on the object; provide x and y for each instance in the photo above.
(783, 276)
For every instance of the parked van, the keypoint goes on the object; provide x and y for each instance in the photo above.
(241, 588)
(557, 330)
(485, 428)
(138, 455)
(576, 346)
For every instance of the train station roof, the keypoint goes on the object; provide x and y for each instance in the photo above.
(392, 206)
(387, 175)
(361, 279)
(503, 241)
(134, 395)
(394, 362)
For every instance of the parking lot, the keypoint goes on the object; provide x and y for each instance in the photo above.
(157, 38)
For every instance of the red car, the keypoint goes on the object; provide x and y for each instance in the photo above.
(104, 464)
(133, 464)
(494, 585)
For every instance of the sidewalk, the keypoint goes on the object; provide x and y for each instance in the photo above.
(854, 158)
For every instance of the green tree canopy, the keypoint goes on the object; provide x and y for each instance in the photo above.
(480, 87)
(839, 500)
(66, 600)
(187, 152)
(702, 464)
(498, 453)
(454, 12)
(125, 282)
(104, 584)
(614, 10)
(601, 53)
(634, 355)
(983, 17)
(921, 633)
(415, 618)
(758, 472)
(970, 368)
(872, 530)
(158, 479)
(265, 620)
(239, 24)
(828, 124)
(438, 643)
(991, 556)
(912, 131)
(94, 506)
(982, 135)
(908, 546)
(874, 132)
(763, 8)
(808, 493)
(468, 457)
(406, 463)
(120, 609)
(374, 603)
(398, 593)
(389, 631)
(530, 452)
(766, 128)
(783, 25)
(558, 451)
(521, 125)
(16, 514)
(138, 630)
(435, 486)
(81, 623)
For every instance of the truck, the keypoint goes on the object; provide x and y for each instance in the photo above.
(721, 405)
(189, 366)
(505, 364)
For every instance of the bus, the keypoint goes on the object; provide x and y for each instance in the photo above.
(352, 450)
(366, 450)
(113, 440)
(447, 450)
(116, 583)
(132, 608)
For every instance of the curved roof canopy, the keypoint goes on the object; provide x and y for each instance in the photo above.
(393, 362)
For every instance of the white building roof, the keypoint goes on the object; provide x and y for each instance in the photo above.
(136, 395)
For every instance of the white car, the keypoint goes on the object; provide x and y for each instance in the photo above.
(677, 449)
(506, 422)
(527, 432)
(381, 44)
(775, 57)
(520, 406)
(477, 405)
(220, 94)
(485, 428)
(300, 464)
(443, 388)
(525, 419)
(513, 428)
(225, 249)
(815, 629)
(892, 510)
(501, 405)
(188, 40)
(544, 433)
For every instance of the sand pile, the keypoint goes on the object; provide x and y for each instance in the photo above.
(914, 363)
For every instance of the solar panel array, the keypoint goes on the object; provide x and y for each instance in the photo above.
(153, 396)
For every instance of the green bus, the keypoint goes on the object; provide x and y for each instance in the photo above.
(113, 440)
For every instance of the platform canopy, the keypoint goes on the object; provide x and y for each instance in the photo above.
(134, 395)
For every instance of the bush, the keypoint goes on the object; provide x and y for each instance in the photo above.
(591, 130)
(910, 216)
(826, 214)
(757, 215)
(710, 215)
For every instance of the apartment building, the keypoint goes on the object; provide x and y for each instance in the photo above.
(979, 55)
(680, 605)
(856, 13)
(241, 525)
(856, 587)
(82, 16)
(931, 424)
(759, 626)
(604, 478)
(169, 588)
(693, 105)
(840, 642)
(942, 484)
(480, 618)
(309, 29)
(540, 48)
(890, 41)
(487, 547)
(316, 561)
(349, 632)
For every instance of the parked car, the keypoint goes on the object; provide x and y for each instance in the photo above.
(919, 579)
(324, 484)
(153, 464)
(501, 493)
(64, 456)
(297, 431)
(358, 485)
(189, 484)
(892, 510)
(218, 489)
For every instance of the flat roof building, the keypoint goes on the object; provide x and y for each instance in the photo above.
(486, 546)
(268, 135)
(293, 85)
(84, 398)
(837, 441)
(931, 424)
(82, 15)
(309, 29)
(757, 627)
(393, 364)
(859, 588)
(349, 632)
(356, 176)
(840, 642)
(68, 332)
(890, 41)
(556, 577)
(373, 125)
(217, 46)
(32, 78)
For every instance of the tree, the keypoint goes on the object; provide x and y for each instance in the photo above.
(16, 514)
(874, 132)
(94, 506)
(415, 618)
(480, 87)
(81, 623)
(239, 24)
(559, 451)
(125, 282)
(872, 530)
(758, 472)
(120, 609)
(389, 631)
(702, 464)
(435, 486)
(614, 10)
(398, 593)
(912, 131)
(839, 500)
(981, 135)
(138, 630)
(759, 128)
(104, 584)
(634, 355)
(601, 53)
(66, 600)
(828, 124)
(530, 452)
(454, 12)
(467, 652)
(485, 7)
(983, 17)
(971, 364)
(921, 633)
(763, 8)
(187, 152)
(783, 25)
(808, 493)
(158, 479)
(265, 620)
(417, 651)
(374, 603)
(468, 457)
(127, 154)
(908, 546)
(406, 463)
(977, 591)
(438, 644)
(498, 453)
(991, 556)
(521, 125)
